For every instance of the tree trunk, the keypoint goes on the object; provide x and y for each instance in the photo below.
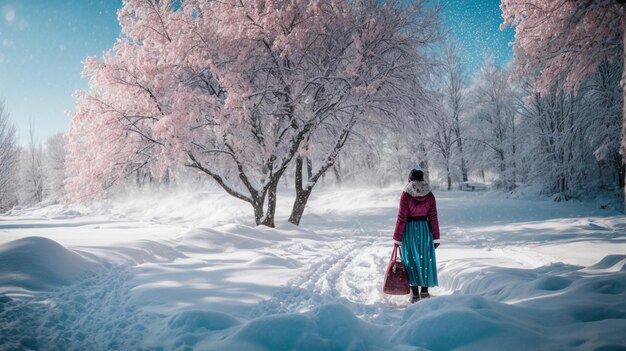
(302, 196)
(309, 168)
(503, 176)
(459, 144)
(166, 177)
(337, 174)
(303, 192)
(298, 180)
(448, 175)
(464, 168)
(258, 211)
(514, 165)
(268, 220)
(337, 171)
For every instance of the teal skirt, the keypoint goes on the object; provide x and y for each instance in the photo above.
(418, 254)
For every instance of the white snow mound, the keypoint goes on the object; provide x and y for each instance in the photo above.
(36, 263)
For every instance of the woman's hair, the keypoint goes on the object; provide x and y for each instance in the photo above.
(416, 175)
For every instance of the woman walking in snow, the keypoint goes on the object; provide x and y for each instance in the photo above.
(417, 234)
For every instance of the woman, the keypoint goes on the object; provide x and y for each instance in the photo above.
(417, 233)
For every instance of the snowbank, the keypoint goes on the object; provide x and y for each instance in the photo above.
(175, 274)
(328, 327)
(36, 263)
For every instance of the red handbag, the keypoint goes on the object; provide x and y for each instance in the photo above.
(396, 279)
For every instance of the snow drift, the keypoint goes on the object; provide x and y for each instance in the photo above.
(513, 273)
(36, 263)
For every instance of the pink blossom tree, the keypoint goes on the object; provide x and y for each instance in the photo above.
(382, 63)
(567, 40)
(234, 89)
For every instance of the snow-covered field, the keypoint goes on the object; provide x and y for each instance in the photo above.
(190, 271)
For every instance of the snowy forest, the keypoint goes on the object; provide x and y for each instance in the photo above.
(369, 101)
(232, 173)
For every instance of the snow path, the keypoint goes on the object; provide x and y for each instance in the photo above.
(93, 313)
(348, 274)
(510, 271)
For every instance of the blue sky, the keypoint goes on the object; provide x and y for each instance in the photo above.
(42, 44)
(475, 24)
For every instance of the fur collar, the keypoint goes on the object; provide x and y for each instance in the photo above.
(417, 188)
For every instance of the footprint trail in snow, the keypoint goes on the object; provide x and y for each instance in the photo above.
(93, 314)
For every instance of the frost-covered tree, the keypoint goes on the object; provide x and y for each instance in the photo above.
(455, 99)
(54, 165)
(236, 89)
(601, 116)
(396, 153)
(446, 125)
(8, 161)
(442, 141)
(32, 175)
(392, 66)
(570, 143)
(567, 40)
(383, 152)
(493, 114)
(209, 84)
(558, 157)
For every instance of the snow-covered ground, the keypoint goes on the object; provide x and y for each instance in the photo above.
(190, 271)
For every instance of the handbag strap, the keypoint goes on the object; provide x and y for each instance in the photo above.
(394, 254)
(394, 258)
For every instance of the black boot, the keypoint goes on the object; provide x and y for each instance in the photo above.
(424, 294)
(415, 294)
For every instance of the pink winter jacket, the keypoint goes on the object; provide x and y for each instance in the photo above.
(417, 201)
